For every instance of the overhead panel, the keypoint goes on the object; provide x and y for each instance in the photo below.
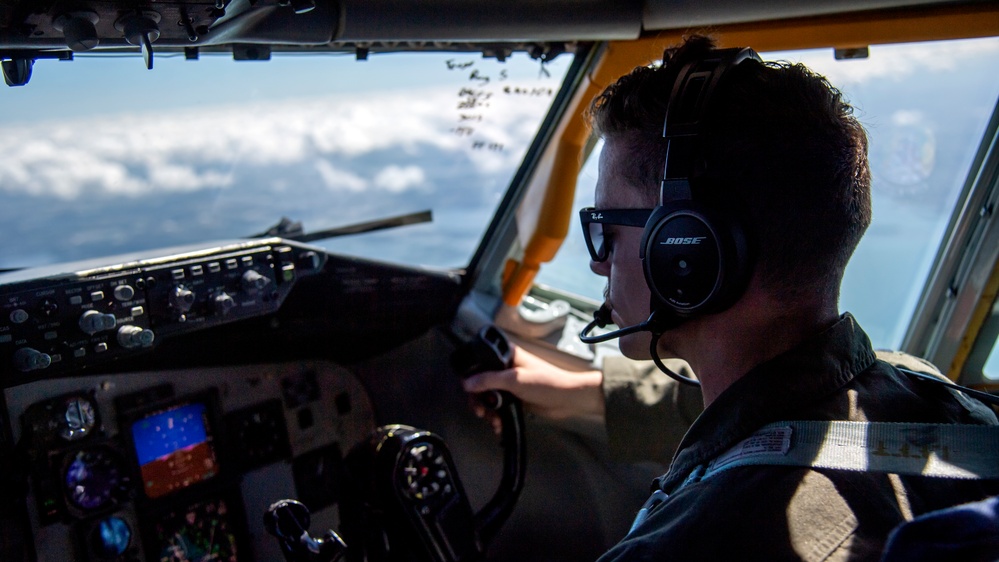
(490, 20)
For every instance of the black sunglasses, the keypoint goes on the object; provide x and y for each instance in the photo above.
(593, 220)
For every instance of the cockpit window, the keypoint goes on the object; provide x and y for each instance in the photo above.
(102, 157)
(925, 107)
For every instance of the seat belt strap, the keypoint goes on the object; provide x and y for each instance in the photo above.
(961, 451)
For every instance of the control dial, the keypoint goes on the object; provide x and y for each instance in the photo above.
(93, 321)
(254, 282)
(19, 316)
(131, 337)
(223, 303)
(182, 298)
(124, 292)
(27, 359)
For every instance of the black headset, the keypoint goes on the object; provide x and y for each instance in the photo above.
(694, 252)
(695, 256)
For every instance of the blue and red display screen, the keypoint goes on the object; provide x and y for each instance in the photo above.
(174, 448)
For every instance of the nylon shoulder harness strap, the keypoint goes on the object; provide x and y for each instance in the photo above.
(960, 451)
(939, 450)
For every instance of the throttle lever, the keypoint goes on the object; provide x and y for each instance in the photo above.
(288, 520)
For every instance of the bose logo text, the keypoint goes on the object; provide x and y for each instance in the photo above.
(692, 240)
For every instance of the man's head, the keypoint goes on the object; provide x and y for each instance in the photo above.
(780, 151)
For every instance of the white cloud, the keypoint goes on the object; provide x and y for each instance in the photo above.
(184, 178)
(43, 167)
(396, 179)
(338, 180)
(187, 150)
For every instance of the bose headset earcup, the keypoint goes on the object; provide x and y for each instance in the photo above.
(695, 257)
(694, 261)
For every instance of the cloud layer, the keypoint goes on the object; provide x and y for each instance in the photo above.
(92, 186)
(198, 149)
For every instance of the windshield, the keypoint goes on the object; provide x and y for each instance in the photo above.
(925, 107)
(103, 157)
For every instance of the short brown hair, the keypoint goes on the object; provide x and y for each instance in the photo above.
(782, 152)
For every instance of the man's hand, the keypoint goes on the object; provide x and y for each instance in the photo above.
(545, 389)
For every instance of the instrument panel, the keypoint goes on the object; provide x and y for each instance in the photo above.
(155, 405)
(60, 319)
(179, 465)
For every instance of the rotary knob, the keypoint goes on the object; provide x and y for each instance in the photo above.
(79, 28)
(19, 316)
(254, 282)
(27, 359)
(223, 303)
(94, 321)
(182, 298)
(124, 292)
(131, 337)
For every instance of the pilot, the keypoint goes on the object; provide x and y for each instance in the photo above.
(767, 166)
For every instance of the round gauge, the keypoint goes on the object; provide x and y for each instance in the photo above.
(201, 532)
(423, 472)
(78, 418)
(110, 538)
(95, 478)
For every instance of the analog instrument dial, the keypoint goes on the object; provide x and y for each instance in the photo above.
(95, 478)
(78, 419)
(423, 472)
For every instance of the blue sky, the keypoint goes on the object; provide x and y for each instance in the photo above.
(69, 89)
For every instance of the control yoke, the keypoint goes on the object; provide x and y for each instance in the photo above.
(491, 351)
(404, 501)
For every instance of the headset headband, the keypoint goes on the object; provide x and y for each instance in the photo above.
(695, 84)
